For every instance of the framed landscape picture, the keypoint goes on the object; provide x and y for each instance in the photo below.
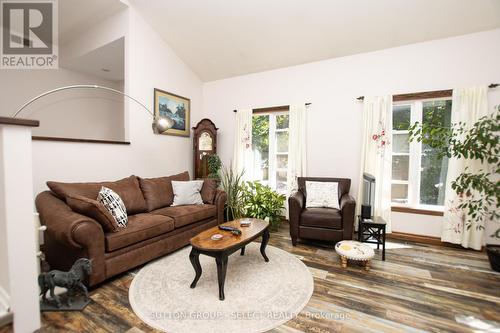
(176, 107)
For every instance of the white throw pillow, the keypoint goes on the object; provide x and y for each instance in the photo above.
(187, 192)
(114, 204)
(322, 194)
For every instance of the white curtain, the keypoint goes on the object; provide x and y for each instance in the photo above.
(296, 145)
(242, 156)
(376, 158)
(468, 105)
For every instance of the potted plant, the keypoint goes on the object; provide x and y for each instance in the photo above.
(478, 193)
(214, 165)
(260, 201)
(232, 184)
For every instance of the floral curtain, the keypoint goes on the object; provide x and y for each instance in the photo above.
(376, 157)
(468, 105)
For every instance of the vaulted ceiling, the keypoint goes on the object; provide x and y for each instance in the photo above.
(224, 38)
(76, 16)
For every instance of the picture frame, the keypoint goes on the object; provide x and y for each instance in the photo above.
(176, 107)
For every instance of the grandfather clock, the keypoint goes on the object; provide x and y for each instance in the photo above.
(204, 144)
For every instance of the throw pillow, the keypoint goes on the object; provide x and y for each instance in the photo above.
(322, 194)
(114, 205)
(93, 209)
(158, 191)
(187, 193)
(208, 191)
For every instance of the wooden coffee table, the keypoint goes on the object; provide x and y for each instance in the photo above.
(224, 247)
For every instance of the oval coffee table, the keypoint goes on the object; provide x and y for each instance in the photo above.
(224, 247)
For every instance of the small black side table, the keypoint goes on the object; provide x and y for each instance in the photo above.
(372, 231)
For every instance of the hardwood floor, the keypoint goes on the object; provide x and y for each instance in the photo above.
(418, 288)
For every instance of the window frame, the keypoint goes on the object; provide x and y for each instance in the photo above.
(415, 157)
(273, 146)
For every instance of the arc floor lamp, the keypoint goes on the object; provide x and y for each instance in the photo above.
(160, 124)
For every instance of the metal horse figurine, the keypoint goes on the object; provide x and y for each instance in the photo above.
(71, 280)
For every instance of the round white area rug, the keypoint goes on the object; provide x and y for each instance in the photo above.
(259, 296)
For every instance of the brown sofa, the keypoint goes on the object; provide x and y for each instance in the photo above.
(326, 224)
(155, 228)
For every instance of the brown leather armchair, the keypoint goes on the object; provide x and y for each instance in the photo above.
(327, 224)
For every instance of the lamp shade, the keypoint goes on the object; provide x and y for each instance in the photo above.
(161, 124)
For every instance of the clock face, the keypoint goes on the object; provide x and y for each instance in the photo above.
(205, 141)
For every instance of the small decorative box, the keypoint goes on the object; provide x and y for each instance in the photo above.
(245, 222)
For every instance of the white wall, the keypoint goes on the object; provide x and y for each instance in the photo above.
(19, 263)
(82, 114)
(427, 225)
(334, 121)
(110, 29)
(149, 63)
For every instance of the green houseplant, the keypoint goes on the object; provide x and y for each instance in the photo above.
(214, 165)
(232, 184)
(478, 192)
(260, 201)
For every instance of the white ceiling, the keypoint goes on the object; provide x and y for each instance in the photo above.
(224, 38)
(75, 16)
(107, 62)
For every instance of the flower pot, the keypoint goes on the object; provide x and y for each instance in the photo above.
(494, 256)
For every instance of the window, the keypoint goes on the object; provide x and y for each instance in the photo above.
(270, 146)
(418, 174)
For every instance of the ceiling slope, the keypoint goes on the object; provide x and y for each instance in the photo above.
(224, 38)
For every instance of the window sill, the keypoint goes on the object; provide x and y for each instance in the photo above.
(401, 209)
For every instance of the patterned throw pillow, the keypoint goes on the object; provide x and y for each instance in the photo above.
(114, 204)
(322, 194)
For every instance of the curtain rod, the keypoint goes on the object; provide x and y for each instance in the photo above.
(491, 86)
(272, 107)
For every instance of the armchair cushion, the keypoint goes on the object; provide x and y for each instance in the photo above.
(322, 194)
(322, 218)
(344, 184)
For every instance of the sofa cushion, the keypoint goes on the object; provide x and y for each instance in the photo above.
(208, 191)
(322, 218)
(127, 188)
(158, 192)
(93, 209)
(140, 227)
(184, 215)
